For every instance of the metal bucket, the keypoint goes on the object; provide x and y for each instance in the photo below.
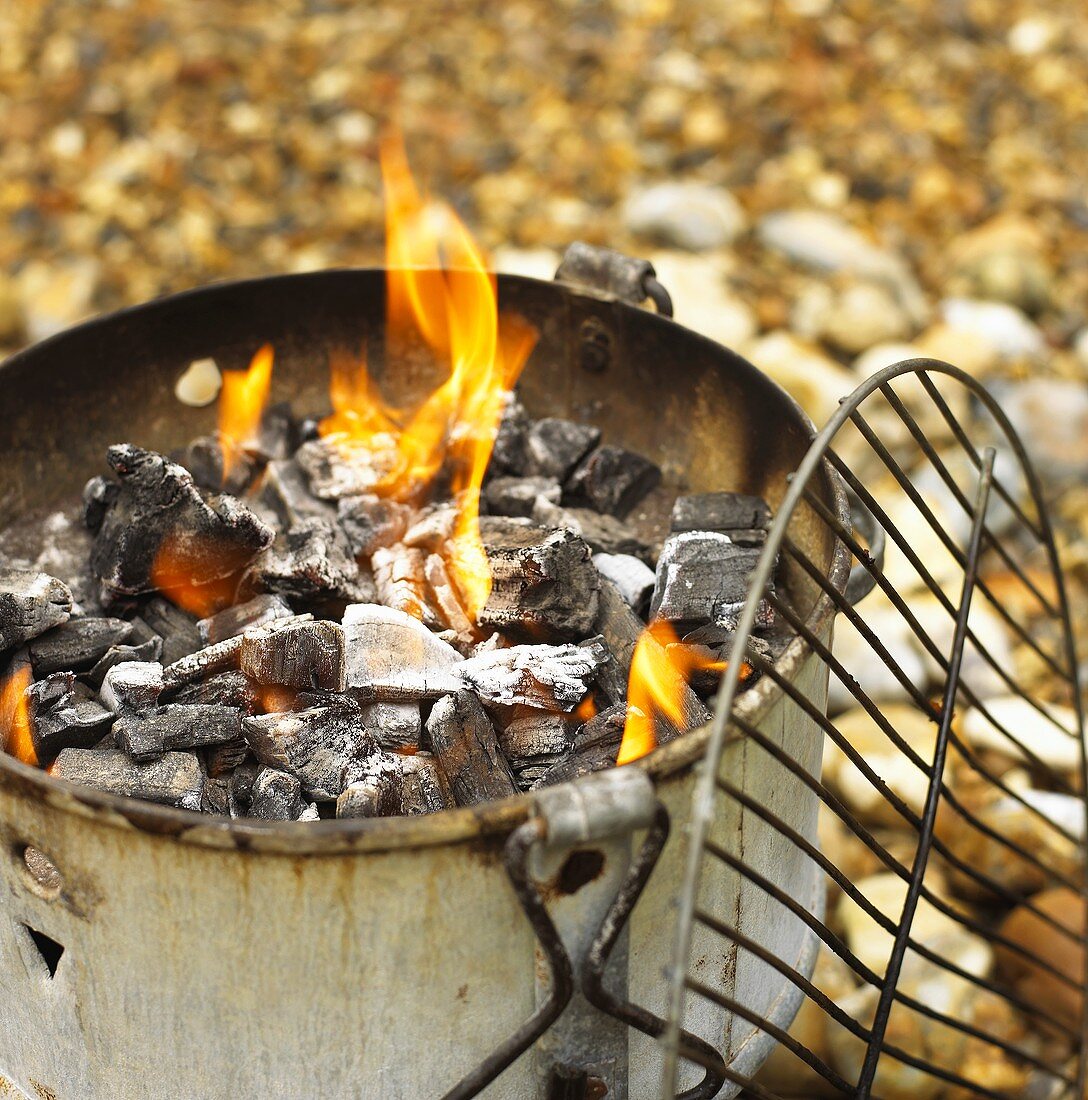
(216, 958)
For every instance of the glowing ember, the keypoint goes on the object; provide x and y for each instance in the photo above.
(172, 575)
(15, 716)
(241, 402)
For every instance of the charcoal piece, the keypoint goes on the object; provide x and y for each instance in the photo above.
(77, 644)
(178, 629)
(210, 661)
(594, 749)
(392, 657)
(339, 466)
(432, 528)
(203, 458)
(550, 677)
(703, 577)
(215, 796)
(279, 435)
(609, 682)
(147, 651)
(553, 447)
(632, 576)
(508, 455)
(295, 654)
(98, 494)
(517, 496)
(240, 618)
(447, 602)
(240, 786)
(132, 686)
(30, 604)
(423, 787)
(401, 583)
(372, 796)
(64, 715)
(175, 779)
(467, 750)
(275, 796)
(310, 812)
(285, 490)
(145, 735)
(394, 726)
(221, 760)
(371, 523)
(534, 738)
(544, 584)
(613, 480)
(311, 561)
(603, 534)
(745, 519)
(227, 689)
(319, 745)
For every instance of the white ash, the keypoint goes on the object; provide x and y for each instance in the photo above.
(133, 685)
(544, 676)
(339, 466)
(632, 576)
(394, 726)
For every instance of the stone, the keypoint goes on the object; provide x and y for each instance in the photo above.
(1007, 329)
(30, 604)
(862, 315)
(1050, 736)
(810, 377)
(200, 383)
(702, 299)
(685, 214)
(1051, 417)
(1003, 260)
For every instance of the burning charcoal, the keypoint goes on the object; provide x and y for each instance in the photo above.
(609, 684)
(545, 676)
(178, 629)
(209, 661)
(278, 436)
(132, 686)
(319, 745)
(215, 797)
(173, 780)
(295, 654)
(633, 577)
(98, 494)
(77, 644)
(203, 458)
(150, 650)
(603, 534)
(400, 580)
(544, 585)
(275, 796)
(63, 715)
(433, 527)
(236, 620)
(613, 480)
(702, 577)
(228, 689)
(312, 561)
(394, 726)
(534, 741)
(714, 644)
(553, 447)
(371, 523)
(341, 467)
(508, 456)
(595, 747)
(286, 491)
(158, 511)
(30, 604)
(393, 657)
(743, 518)
(147, 735)
(448, 601)
(467, 750)
(517, 496)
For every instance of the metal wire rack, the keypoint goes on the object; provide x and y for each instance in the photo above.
(951, 801)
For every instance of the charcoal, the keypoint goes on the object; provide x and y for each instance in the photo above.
(594, 749)
(544, 585)
(148, 734)
(215, 796)
(338, 466)
(278, 436)
(373, 796)
(311, 561)
(535, 739)
(703, 577)
(310, 812)
(240, 786)
(175, 779)
(147, 651)
(227, 689)
(77, 644)
(238, 619)
(159, 508)
(401, 583)
(394, 726)
(509, 455)
(632, 576)
(544, 676)
(210, 661)
(132, 686)
(613, 480)
(63, 715)
(447, 602)
(285, 490)
(391, 784)
(371, 523)
(275, 796)
(609, 682)
(319, 745)
(553, 447)
(423, 786)
(467, 750)
(98, 494)
(432, 527)
(745, 519)
(393, 657)
(30, 604)
(603, 534)
(178, 629)
(295, 654)
(203, 458)
(517, 496)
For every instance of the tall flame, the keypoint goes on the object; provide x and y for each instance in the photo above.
(241, 402)
(15, 715)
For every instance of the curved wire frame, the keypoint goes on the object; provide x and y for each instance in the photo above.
(938, 465)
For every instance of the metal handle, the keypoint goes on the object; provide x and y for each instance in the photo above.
(861, 581)
(604, 269)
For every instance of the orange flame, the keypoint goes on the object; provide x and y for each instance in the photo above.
(15, 715)
(241, 402)
(172, 574)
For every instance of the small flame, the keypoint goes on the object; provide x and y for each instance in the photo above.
(241, 403)
(15, 716)
(172, 574)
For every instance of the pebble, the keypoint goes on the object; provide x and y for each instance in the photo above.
(701, 298)
(862, 315)
(1011, 333)
(688, 215)
(813, 380)
(57, 296)
(1052, 742)
(12, 314)
(200, 384)
(1002, 260)
(1051, 417)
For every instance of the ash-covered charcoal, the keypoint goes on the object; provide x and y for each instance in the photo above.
(215, 796)
(394, 726)
(279, 433)
(64, 715)
(517, 496)
(553, 447)
(275, 796)
(227, 689)
(550, 677)
(221, 760)
(534, 741)
(30, 604)
(210, 661)
(307, 654)
(432, 527)
(175, 779)
(203, 458)
(241, 617)
(149, 650)
(703, 577)
(613, 480)
(145, 735)
(312, 561)
(401, 582)
(745, 519)
(392, 657)
(178, 629)
(371, 796)
(285, 491)
(319, 745)
(159, 510)
(423, 786)
(609, 683)
(508, 456)
(544, 584)
(98, 494)
(447, 601)
(594, 747)
(632, 577)
(371, 523)
(77, 644)
(338, 466)
(132, 686)
(467, 750)
(602, 533)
